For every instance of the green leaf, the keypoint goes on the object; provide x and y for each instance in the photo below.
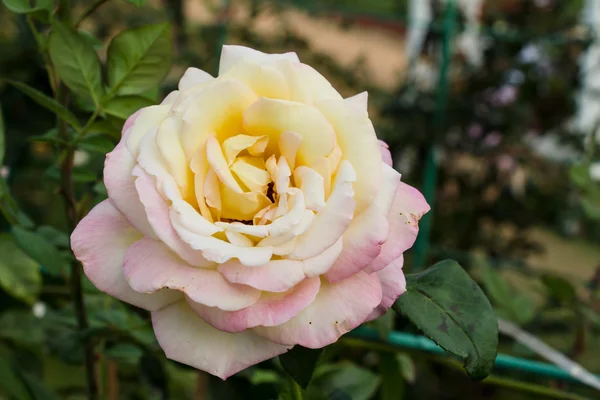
(385, 324)
(10, 384)
(48, 103)
(91, 39)
(124, 352)
(591, 208)
(21, 327)
(41, 10)
(19, 274)
(580, 175)
(2, 138)
(36, 387)
(407, 367)
(124, 106)
(450, 308)
(97, 143)
(137, 3)
(54, 236)
(510, 305)
(349, 380)
(139, 59)
(392, 383)
(76, 62)
(300, 363)
(41, 250)
(560, 288)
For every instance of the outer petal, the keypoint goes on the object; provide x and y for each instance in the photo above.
(280, 275)
(230, 55)
(186, 338)
(360, 101)
(337, 309)
(385, 153)
(408, 208)
(332, 221)
(100, 242)
(358, 142)
(120, 185)
(269, 310)
(393, 284)
(193, 77)
(367, 232)
(150, 266)
(157, 211)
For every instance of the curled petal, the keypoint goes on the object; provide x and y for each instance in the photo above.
(150, 266)
(337, 309)
(271, 309)
(99, 242)
(386, 156)
(408, 208)
(360, 101)
(331, 223)
(368, 231)
(186, 338)
(358, 142)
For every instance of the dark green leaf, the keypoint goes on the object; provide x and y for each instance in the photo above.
(83, 175)
(48, 103)
(124, 106)
(300, 363)
(2, 138)
(580, 174)
(591, 208)
(76, 62)
(124, 352)
(450, 308)
(352, 381)
(10, 382)
(510, 305)
(139, 59)
(392, 384)
(385, 324)
(100, 189)
(138, 3)
(105, 127)
(21, 327)
(41, 10)
(54, 236)
(36, 387)
(407, 367)
(97, 143)
(91, 39)
(19, 274)
(40, 249)
(559, 288)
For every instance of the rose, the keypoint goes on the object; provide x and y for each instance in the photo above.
(250, 213)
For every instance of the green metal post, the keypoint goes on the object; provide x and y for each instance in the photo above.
(430, 173)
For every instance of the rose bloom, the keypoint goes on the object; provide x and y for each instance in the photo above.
(250, 213)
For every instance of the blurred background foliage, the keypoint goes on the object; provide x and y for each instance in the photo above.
(514, 186)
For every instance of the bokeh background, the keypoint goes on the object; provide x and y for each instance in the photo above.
(490, 107)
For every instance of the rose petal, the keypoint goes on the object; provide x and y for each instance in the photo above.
(360, 101)
(408, 208)
(265, 80)
(273, 117)
(120, 185)
(386, 156)
(393, 284)
(280, 275)
(358, 142)
(367, 232)
(186, 338)
(150, 266)
(230, 55)
(332, 221)
(269, 310)
(157, 211)
(193, 77)
(99, 242)
(337, 309)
